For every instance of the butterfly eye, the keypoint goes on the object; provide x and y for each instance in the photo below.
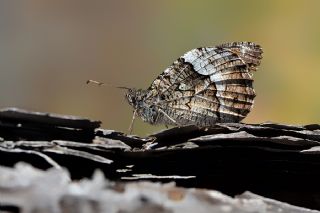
(133, 100)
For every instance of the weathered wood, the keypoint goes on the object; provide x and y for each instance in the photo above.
(273, 160)
(51, 191)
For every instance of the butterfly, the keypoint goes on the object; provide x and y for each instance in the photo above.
(205, 86)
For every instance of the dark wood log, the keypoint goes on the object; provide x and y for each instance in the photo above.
(52, 191)
(278, 161)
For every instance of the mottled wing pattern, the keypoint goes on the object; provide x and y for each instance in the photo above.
(207, 85)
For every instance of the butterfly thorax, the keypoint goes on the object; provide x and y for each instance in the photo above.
(144, 107)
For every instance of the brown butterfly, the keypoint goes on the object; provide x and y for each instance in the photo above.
(204, 86)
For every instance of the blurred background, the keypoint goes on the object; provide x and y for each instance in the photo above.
(49, 48)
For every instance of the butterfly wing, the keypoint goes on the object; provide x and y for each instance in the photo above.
(207, 85)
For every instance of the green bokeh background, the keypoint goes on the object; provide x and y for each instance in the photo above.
(50, 48)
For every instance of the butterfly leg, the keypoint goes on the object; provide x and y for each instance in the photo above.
(132, 121)
(171, 119)
(158, 118)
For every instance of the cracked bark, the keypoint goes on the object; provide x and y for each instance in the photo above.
(273, 160)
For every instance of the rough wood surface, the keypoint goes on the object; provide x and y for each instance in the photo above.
(52, 191)
(273, 160)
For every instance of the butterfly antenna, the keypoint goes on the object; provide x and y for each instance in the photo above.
(104, 84)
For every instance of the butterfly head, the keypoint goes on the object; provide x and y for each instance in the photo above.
(135, 97)
(143, 107)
